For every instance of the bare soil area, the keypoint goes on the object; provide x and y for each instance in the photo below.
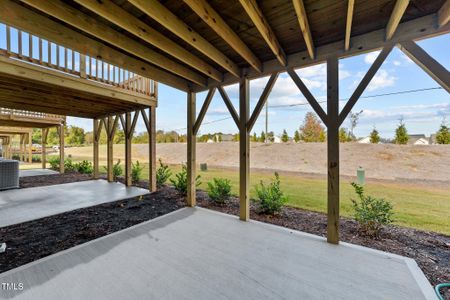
(383, 161)
(39, 238)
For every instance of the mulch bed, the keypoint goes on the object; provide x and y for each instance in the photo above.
(36, 239)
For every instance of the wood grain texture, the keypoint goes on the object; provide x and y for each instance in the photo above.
(396, 16)
(304, 25)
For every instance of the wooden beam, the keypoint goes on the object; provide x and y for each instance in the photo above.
(36, 24)
(191, 151)
(302, 17)
(203, 110)
(444, 14)
(128, 138)
(211, 17)
(30, 151)
(348, 24)
(257, 17)
(166, 18)
(96, 132)
(433, 68)
(109, 148)
(229, 105)
(308, 96)
(44, 136)
(333, 149)
(125, 20)
(244, 150)
(152, 149)
(396, 16)
(365, 82)
(417, 29)
(60, 129)
(262, 101)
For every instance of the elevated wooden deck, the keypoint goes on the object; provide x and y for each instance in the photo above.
(58, 80)
(28, 119)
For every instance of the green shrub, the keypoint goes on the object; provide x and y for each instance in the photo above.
(136, 171)
(54, 162)
(117, 170)
(270, 198)
(36, 158)
(180, 181)
(370, 212)
(69, 166)
(163, 174)
(16, 156)
(219, 190)
(84, 167)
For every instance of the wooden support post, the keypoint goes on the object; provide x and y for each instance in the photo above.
(43, 149)
(30, 150)
(128, 135)
(21, 148)
(244, 149)
(333, 149)
(97, 129)
(83, 66)
(109, 151)
(152, 148)
(61, 148)
(191, 150)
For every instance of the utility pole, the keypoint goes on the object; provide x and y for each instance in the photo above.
(267, 120)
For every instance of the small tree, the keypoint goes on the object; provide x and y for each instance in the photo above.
(443, 134)
(262, 138)
(354, 119)
(163, 174)
(284, 136)
(136, 171)
(254, 137)
(270, 198)
(401, 134)
(296, 136)
(374, 136)
(180, 182)
(311, 129)
(219, 190)
(344, 136)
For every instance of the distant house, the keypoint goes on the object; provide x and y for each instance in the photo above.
(277, 140)
(365, 140)
(418, 139)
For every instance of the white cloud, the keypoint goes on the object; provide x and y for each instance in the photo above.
(369, 58)
(397, 63)
(381, 80)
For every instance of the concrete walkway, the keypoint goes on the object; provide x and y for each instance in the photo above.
(195, 253)
(21, 205)
(36, 172)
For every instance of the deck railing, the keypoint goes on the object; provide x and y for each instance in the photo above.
(30, 115)
(27, 47)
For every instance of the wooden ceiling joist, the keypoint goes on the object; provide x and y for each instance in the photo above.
(396, 16)
(158, 12)
(299, 7)
(348, 23)
(444, 14)
(257, 17)
(115, 14)
(36, 24)
(218, 24)
(83, 22)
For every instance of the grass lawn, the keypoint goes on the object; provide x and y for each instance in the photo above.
(419, 207)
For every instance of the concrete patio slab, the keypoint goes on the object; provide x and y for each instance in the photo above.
(195, 253)
(22, 205)
(36, 172)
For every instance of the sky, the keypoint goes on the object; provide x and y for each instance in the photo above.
(422, 111)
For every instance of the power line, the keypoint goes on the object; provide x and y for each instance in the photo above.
(344, 99)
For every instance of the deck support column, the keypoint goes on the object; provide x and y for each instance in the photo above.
(152, 148)
(21, 151)
(96, 131)
(333, 149)
(109, 151)
(191, 149)
(128, 137)
(244, 149)
(43, 149)
(30, 150)
(61, 148)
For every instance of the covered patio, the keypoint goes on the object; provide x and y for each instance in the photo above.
(204, 46)
(195, 253)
